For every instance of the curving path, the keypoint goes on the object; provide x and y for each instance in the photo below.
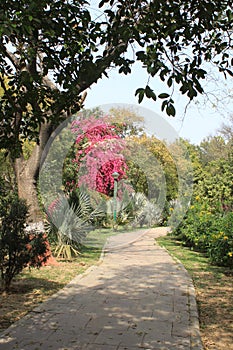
(137, 297)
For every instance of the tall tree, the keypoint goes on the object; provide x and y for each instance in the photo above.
(52, 51)
(212, 148)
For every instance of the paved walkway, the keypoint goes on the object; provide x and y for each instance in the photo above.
(137, 297)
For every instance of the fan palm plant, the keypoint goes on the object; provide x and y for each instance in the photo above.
(145, 211)
(70, 221)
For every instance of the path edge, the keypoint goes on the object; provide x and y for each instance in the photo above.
(196, 341)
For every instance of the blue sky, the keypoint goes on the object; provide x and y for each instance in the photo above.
(199, 121)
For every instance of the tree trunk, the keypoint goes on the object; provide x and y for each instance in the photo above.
(26, 172)
(26, 180)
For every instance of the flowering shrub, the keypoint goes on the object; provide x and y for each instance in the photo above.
(98, 154)
(220, 247)
(208, 230)
(95, 171)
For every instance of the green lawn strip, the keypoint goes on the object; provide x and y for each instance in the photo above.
(194, 262)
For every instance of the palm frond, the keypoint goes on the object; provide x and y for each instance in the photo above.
(71, 221)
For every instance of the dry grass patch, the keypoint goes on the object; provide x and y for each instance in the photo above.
(214, 293)
(215, 300)
(35, 286)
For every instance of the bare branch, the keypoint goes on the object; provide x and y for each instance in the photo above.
(10, 56)
(48, 82)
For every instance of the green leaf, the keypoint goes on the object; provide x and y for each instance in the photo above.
(163, 95)
(140, 97)
(101, 4)
(150, 93)
(169, 82)
(140, 55)
(170, 110)
(140, 92)
(229, 72)
(164, 104)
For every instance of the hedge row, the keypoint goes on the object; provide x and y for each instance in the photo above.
(210, 231)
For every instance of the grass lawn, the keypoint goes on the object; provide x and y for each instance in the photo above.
(214, 293)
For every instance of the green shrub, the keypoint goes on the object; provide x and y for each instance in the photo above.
(220, 245)
(18, 248)
(207, 229)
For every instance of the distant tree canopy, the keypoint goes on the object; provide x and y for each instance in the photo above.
(52, 51)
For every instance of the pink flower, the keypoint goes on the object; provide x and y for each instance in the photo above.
(101, 153)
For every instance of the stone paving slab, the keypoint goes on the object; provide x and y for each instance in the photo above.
(138, 297)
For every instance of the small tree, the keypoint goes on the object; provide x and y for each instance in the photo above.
(18, 248)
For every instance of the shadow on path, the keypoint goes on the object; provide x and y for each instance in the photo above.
(137, 298)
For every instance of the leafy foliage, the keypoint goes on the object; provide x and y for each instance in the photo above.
(69, 219)
(208, 225)
(7, 179)
(210, 232)
(146, 211)
(152, 159)
(51, 52)
(76, 44)
(98, 154)
(18, 248)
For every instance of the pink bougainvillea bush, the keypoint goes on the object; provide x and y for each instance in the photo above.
(99, 153)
